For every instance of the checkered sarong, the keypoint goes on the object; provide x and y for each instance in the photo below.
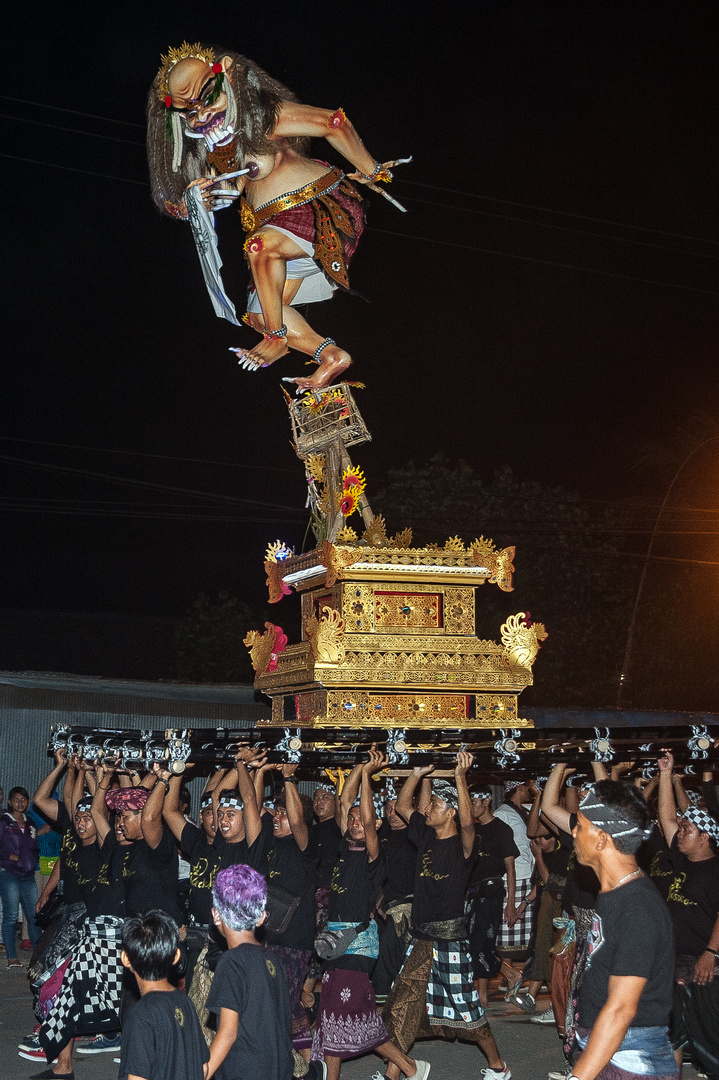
(518, 937)
(452, 1000)
(91, 988)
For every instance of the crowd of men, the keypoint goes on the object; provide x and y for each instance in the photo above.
(383, 917)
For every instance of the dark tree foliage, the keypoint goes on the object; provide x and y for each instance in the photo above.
(209, 641)
(571, 571)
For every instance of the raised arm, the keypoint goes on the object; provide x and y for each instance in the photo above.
(299, 120)
(250, 813)
(99, 809)
(43, 796)
(550, 800)
(348, 796)
(710, 794)
(680, 795)
(293, 805)
(367, 811)
(404, 806)
(171, 813)
(151, 816)
(667, 806)
(69, 786)
(534, 826)
(465, 817)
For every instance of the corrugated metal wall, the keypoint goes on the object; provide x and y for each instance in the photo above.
(30, 705)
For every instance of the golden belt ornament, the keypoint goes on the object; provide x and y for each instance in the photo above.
(255, 218)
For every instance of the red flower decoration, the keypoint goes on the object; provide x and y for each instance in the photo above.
(216, 69)
(168, 100)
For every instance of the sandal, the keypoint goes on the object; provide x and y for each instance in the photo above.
(511, 994)
(14, 965)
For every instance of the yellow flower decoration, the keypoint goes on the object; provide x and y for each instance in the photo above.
(353, 478)
(349, 501)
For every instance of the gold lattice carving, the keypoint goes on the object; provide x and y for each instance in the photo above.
(376, 533)
(499, 709)
(406, 610)
(261, 647)
(325, 635)
(361, 609)
(336, 561)
(521, 642)
(458, 611)
(385, 710)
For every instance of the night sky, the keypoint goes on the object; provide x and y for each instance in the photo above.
(550, 300)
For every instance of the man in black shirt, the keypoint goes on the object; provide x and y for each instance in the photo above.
(496, 852)
(438, 955)
(626, 993)
(348, 1023)
(693, 901)
(396, 904)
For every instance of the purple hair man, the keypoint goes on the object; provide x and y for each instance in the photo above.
(239, 895)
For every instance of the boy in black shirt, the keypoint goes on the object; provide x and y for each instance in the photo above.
(249, 992)
(438, 954)
(162, 1038)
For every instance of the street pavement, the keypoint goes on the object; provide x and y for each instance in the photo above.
(530, 1049)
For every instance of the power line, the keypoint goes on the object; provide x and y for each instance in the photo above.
(422, 239)
(236, 500)
(68, 168)
(563, 213)
(138, 453)
(402, 180)
(562, 228)
(545, 262)
(73, 131)
(75, 112)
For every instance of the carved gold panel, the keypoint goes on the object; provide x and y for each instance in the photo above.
(420, 609)
(390, 710)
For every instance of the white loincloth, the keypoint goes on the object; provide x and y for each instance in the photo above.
(315, 286)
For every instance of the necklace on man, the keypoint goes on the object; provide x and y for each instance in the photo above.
(626, 878)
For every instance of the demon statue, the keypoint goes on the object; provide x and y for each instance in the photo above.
(214, 118)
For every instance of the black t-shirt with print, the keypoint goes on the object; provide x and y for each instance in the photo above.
(251, 981)
(293, 869)
(401, 856)
(322, 846)
(150, 876)
(630, 936)
(654, 858)
(108, 894)
(79, 863)
(254, 855)
(441, 875)
(162, 1039)
(693, 900)
(495, 843)
(354, 890)
(204, 862)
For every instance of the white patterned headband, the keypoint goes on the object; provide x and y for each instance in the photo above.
(609, 818)
(703, 820)
(446, 792)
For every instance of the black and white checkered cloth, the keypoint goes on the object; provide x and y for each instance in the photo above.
(452, 1000)
(517, 937)
(92, 986)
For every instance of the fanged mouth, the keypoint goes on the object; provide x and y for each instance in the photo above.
(215, 132)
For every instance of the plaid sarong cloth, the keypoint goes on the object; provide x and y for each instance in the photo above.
(518, 937)
(90, 994)
(452, 1000)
